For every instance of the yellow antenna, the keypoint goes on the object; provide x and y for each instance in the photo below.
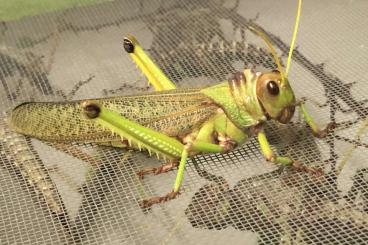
(269, 44)
(294, 38)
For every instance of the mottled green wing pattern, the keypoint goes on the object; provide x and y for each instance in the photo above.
(173, 112)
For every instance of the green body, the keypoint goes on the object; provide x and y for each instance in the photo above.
(172, 123)
(175, 113)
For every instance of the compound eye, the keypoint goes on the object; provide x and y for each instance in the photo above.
(273, 88)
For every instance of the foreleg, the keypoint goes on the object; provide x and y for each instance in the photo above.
(317, 132)
(285, 161)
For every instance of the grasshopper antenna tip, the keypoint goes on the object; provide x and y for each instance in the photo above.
(297, 20)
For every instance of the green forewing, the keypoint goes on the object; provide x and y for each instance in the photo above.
(174, 113)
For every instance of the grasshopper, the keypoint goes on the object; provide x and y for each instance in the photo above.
(175, 124)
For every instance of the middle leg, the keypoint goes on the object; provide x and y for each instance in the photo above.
(159, 170)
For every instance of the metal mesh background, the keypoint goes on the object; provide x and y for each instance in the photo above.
(65, 194)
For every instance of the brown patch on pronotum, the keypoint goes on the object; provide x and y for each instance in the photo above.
(91, 109)
(235, 80)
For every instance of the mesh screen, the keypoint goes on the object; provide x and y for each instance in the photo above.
(90, 194)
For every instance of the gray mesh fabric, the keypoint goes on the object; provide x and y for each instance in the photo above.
(89, 194)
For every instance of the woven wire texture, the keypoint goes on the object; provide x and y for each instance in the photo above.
(89, 194)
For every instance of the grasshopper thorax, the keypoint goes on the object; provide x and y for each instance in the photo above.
(276, 96)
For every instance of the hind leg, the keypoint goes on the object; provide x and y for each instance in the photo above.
(154, 74)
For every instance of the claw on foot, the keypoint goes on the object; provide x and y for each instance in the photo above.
(324, 132)
(147, 203)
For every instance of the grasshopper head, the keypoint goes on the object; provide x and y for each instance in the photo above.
(273, 88)
(276, 96)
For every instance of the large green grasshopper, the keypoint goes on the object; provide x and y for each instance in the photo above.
(175, 124)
